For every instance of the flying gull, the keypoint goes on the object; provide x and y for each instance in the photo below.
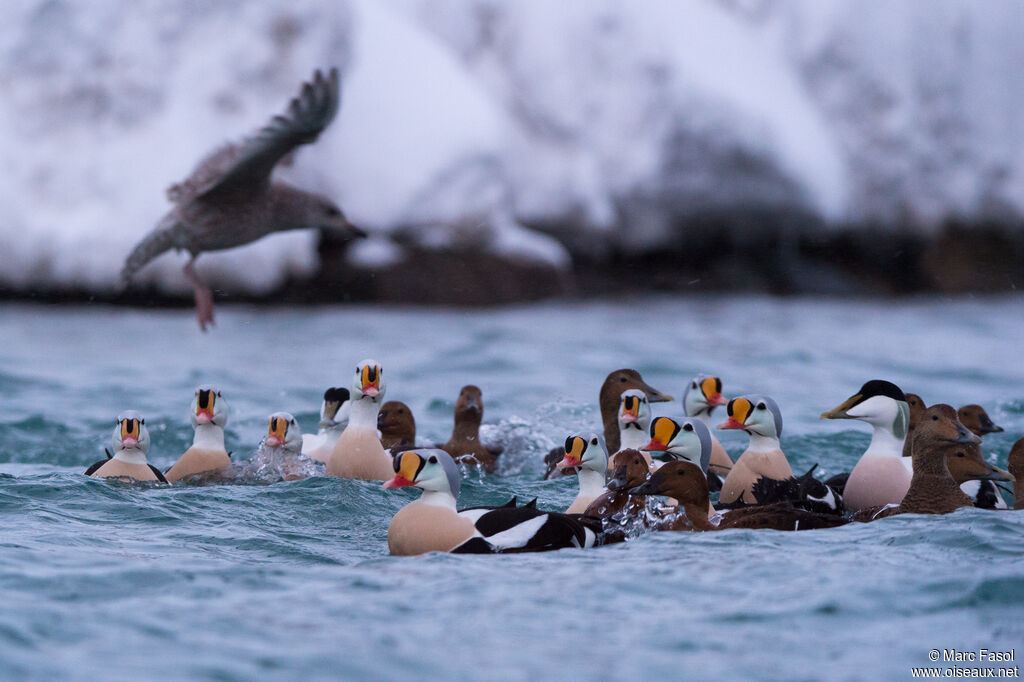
(230, 199)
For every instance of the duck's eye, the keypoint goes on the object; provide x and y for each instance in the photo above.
(960, 454)
(593, 441)
(693, 385)
(433, 459)
(935, 417)
(622, 379)
(331, 211)
(687, 427)
(401, 412)
(760, 406)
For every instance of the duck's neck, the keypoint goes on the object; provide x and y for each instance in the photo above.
(364, 415)
(631, 435)
(591, 482)
(697, 515)
(466, 429)
(884, 443)
(329, 426)
(209, 436)
(131, 456)
(436, 498)
(759, 443)
(703, 415)
(932, 488)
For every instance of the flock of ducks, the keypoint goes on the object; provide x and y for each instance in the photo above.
(921, 459)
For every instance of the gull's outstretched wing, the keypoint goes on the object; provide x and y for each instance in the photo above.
(252, 162)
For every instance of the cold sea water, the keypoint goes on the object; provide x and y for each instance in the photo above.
(292, 580)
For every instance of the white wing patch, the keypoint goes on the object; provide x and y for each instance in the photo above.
(518, 535)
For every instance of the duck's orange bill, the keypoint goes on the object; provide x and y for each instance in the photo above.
(731, 423)
(130, 432)
(712, 389)
(398, 482)
(574, 447)
(371, 380)
(655, 446)
(717, 399)
(278, 429)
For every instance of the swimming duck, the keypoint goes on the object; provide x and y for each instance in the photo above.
(588, 456)
(629, 468)
(432, 523)
(1015, 463)
(703, 394)
(634, 422)
(279, 455)
(209, 415)
(760, 417)
(609, 398)
(685, 482)
(333, 420)
(130, 441)
(358, 452)
(397, 426)
(880, 476)
(464, 444)
(231, 199)
(803, 492)
(689, 440)
(985, 494)
(976, 419)
(938, 439)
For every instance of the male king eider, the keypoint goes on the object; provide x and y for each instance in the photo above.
(358, 452)
(209, 415)
(634, 422)
(702, 396)
(130, 442)
(333, 420)
(760, 417)
(433, 524)
(585, 453)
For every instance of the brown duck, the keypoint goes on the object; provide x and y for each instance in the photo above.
(629, 469)
(397, 426)
(686, 483)
(608, 399)
(1015, 463)
(464, 444)
(938, 440)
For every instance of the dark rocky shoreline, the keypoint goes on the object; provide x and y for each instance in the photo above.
(960, 259)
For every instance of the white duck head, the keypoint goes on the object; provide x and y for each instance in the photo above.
(209, 407)
(367, 382)
(130, 439)
(758, 415)
(586, 451)
(429, 469)
(687, 439)
(282, 432)
(702, 395)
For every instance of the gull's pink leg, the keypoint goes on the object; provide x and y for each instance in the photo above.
(204, 297)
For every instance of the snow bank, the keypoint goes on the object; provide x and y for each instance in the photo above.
(461, 121)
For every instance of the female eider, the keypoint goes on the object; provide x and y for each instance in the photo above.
(1015, 463)
(760, 418)
(209, 415)
(358, 452)
(464, 444)
(685, 482)
(939, 438)
(397, 426)
(432, 523)
(703, 394)
(333, 419)
(130, 441)
(880, 476)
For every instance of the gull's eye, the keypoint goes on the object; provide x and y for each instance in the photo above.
(433, 459)
(687, 427)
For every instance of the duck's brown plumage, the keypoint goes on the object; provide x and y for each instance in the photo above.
(629, 469)
(917, 408)
(465, 442)
(976, 419)
(939, 439)
(686, 483)
(1015, 463)
(397, 426)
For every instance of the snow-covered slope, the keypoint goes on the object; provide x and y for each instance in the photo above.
(607, 121)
